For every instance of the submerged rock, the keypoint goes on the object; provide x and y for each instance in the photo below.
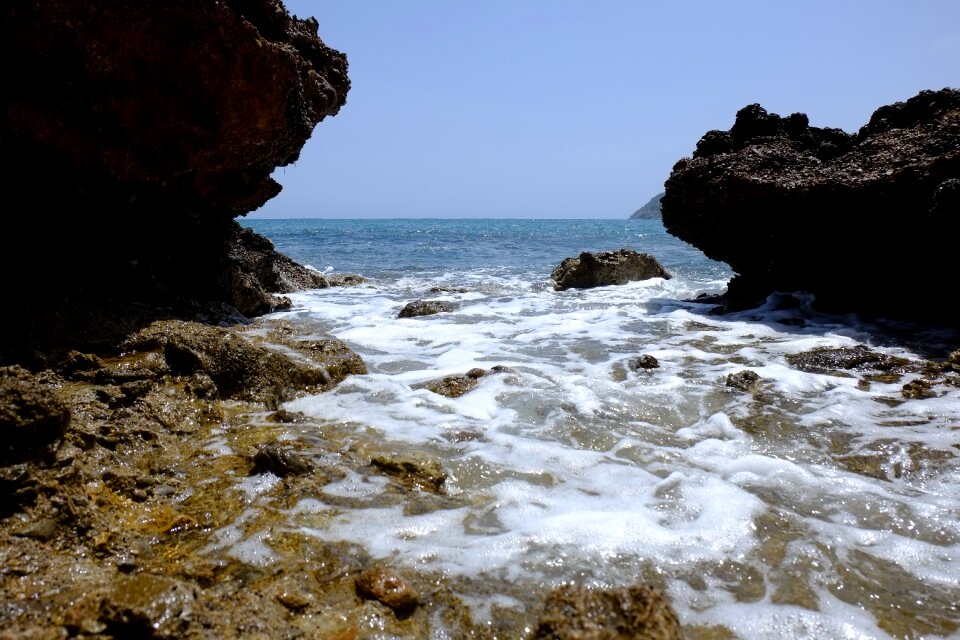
(413, 471)
(918, 390)
(606, 268)
(637, 612)
(425, 308)
(280, 462)
(792, 207)
(456, 385)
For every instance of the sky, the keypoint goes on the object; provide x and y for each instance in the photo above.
(577, 108)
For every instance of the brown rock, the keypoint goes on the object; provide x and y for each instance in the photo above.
(32, 416)
(280, 462)
(148, 606)
(413, 471)
(918, 390)
(745, 380)
(389, 587)
(242, 369)
(454, 386)
(637, 612)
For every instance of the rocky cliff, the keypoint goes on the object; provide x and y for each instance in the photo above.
(133, 135)
(864, 221)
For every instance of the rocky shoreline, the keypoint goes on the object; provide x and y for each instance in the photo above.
(148, 494)
(145, 457)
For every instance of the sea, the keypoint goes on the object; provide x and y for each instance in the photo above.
(819, 504)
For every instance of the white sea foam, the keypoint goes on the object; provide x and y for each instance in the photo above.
(587, 467)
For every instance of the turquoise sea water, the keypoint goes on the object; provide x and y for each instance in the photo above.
(393, 248)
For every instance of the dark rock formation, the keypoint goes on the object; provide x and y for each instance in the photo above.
(864, 221)
(649, 211)
(134, 134)
(858, 358)
(425, 308)
(606, 268)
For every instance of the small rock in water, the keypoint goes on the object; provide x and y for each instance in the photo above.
(279, 462)
(457, 385)
(745, 380)
(389, 587)
(918, 390)
(425, 308)
(414, 472)
(638, 612)
(345, 279)
(644, 362)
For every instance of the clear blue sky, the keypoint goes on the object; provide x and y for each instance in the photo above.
(579, 108)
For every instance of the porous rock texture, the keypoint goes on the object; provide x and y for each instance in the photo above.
(134, 134)
(866, 222)
(639, 612)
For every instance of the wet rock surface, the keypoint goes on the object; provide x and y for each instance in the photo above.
(32, 416)
(389, 587)
(144, 513)
(638, 612)
(792, 207)
(457, 385)
(425, 308)
(606, 268)
(746, 380)
(859, 358)
(413, 471)
(643, 363)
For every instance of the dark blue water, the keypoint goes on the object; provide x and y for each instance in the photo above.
(391, 248)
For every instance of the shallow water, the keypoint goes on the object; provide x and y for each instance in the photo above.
(819, 505)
